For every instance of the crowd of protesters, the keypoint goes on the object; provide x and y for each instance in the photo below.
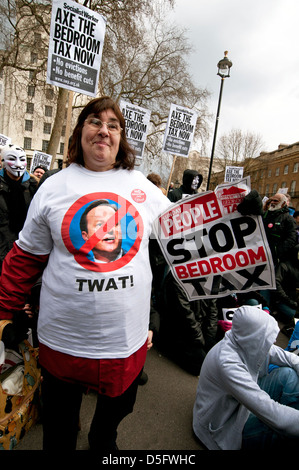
(55, 230)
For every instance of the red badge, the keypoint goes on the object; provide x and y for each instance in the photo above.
(138, 195)
(270, 225)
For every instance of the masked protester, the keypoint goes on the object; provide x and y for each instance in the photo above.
(191, 182)
(17, 188)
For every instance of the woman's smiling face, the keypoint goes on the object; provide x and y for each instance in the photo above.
(100, 146)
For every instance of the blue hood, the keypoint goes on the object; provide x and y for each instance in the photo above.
(26, 175)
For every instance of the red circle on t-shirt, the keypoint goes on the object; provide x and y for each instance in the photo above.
(124, 207)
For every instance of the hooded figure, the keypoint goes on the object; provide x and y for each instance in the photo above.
(17, 189)
(191, 182)
(228, 390)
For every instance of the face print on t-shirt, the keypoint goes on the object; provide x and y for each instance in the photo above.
(103, 231)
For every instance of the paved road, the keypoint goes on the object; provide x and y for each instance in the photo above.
(162, 418)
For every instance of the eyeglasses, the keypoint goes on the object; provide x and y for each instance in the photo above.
(112, 126)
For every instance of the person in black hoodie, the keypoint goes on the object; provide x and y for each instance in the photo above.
(17, 188)
(285, 301)
(191, 182)
(187, 328)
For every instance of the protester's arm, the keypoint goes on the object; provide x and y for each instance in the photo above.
(239, 384)
(252, 204)
(20, 271)
(283, 358)
(290, 237)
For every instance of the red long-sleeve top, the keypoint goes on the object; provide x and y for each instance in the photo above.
(20, 271)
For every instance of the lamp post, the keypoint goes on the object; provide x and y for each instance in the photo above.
(224, 66)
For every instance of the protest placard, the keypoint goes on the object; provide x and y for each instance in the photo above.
(179, 131)
(137, 123)
(75, 47)
(228, 313)
(212, 249)
(40, 159)
(282, 190)
(233, 173)
(4, 140)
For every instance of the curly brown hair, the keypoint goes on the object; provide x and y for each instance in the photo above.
(155, 179)
(125, 157)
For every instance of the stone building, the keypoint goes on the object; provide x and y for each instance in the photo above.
(27, 114)
(271, 171)
(27, 102)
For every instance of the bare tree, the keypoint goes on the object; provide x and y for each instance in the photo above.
(238, 148)
(144, 59)
(150, 70)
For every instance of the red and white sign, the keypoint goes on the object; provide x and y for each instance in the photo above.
(211, 248)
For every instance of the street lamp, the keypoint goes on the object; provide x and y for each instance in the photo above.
(224, 67)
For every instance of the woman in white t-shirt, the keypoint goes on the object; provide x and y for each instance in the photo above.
(94, 317)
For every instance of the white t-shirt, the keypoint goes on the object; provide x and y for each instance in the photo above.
(90, 309)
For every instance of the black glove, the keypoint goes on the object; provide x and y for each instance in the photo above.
(16, 331)
(251, 204)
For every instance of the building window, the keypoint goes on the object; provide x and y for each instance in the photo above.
(63, 131)
(33, 57)
(293, 188)
(296, 167)
(31, 90)
(283, 184)
(274, 188)
(61, 148)
(286, 169)
(48, 111)
(37, 38)
(269, 173)
(49, 93)
(45, 144)
(28, 125)
(277, 172)
(27, 143)
(32, 75)
(30, 108)
(267, 190)
(47, 128)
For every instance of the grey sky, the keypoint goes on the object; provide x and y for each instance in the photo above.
(262, 94)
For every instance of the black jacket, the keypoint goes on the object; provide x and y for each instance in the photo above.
(9, 228)
(287, 279)
(187, 321)
(185, 188)
(280, 228)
